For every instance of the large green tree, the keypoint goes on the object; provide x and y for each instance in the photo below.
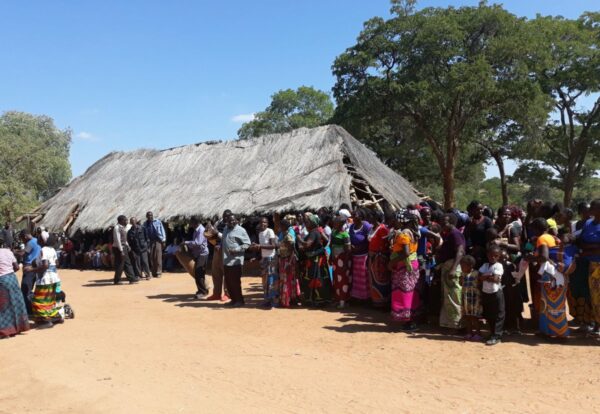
(568, 70)
(443, 71)
(290, 109)
(34, 161)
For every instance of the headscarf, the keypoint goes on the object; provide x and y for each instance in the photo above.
(345, 213)
(314, 219)
(409, 221)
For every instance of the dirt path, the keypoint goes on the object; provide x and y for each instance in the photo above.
(150, 348)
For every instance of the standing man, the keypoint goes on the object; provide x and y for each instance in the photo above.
(7, 235)
(138, 242)
(198, 248)
(235, 243)
(121, 252)
(156, 235)
(217, 261)
(32, 252)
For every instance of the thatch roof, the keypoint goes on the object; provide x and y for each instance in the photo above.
(303, 169)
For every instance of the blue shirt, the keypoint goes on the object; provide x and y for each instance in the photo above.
(591, 234)
(422, 246)
(32, 250)
(155, 231)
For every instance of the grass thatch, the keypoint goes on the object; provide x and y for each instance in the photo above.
(303, 169)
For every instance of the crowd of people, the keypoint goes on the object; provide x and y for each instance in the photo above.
(462, 271)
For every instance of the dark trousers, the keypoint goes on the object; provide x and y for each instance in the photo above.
(134, 258)
(122, 263)
(494, 311)
(27, 283)
(233, 280)
(139, 262)
(156, 257)
(200, 275)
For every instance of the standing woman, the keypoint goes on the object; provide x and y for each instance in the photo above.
(448, 257)
(341, 260)
(578, 297)
(508, 237)
(45, 312)
(590, 246)
(379, 274)
(316, 284)
(289, 288)
(359, 237)
(13, 313)
(404, 265)
(475, 232)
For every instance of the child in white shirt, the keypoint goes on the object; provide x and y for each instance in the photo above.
(492, 297)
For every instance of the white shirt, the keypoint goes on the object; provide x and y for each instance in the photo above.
(495, 269)
(265, 237)
(50, 276)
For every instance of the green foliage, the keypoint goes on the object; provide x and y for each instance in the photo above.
(289, 110)
(441, 73)
(567, 69)
(34, 163)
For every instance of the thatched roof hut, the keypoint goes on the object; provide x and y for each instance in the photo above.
(303, 169)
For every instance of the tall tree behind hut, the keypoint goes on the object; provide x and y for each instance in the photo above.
(290, 109)
(34, 161)
(443, 71)
(568, 70)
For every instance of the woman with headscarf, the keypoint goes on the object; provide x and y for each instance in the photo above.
(359, 237)
(448, 258)
(379, 274)
(404, 266)
(315, 282)
(13, 313)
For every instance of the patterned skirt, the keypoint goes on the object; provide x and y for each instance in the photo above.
(316, 283)
(594, 280)
(578, 296)
(289, 288)
(342, 265)
(406, 301)
(472, 302)
(270, 278)
(13, 313)
(553, 311)
(360, 277)
(43, 303)
(379, 276)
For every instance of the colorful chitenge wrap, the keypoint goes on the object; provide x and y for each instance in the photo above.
(406, 302)
(43, 303)
(380, 279)
(316, 283)
(13, 313)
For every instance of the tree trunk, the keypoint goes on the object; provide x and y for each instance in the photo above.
(449, 185)
(503, 184)
(568, 186)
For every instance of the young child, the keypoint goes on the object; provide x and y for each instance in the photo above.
(472, 309)
(490, 274)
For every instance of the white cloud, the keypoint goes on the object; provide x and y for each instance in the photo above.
(242, 118)
(86, 136)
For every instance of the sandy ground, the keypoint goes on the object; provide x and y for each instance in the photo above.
(150, 348)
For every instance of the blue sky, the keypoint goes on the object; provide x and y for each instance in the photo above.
(131, 74)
